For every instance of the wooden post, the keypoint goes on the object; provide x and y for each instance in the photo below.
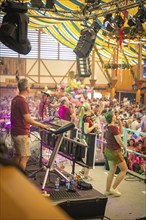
(103, 94)
(39, 60)
(145, 99)
(140, 72)
(138, 96)
(112, 92)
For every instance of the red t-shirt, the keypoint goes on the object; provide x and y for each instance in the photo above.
(88, 120)
(112, 131)
(19, 107)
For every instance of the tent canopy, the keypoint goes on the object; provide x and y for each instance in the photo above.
(68, 17)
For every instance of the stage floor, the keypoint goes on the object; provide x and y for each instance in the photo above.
(130, 206)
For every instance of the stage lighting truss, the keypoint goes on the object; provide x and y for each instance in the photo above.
(111, 23)
(115, 66)
(139, 17)
(39, 4)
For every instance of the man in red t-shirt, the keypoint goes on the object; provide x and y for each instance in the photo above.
(20, 124)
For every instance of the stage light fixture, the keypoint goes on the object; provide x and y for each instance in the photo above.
(139, 17)
(141, 14)
(118, 21)
(126, 31)
(139, 28)
(132, 21)
(50, 4)
(37, 3)
(13, 31)
(108, 22)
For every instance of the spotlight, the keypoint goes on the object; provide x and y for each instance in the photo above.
(126, 31)
(108, 23)
(132, 21)
(37, 3)
(13, 31)
(50, 4)
(141, 14)
(139, 28)
(119, 21)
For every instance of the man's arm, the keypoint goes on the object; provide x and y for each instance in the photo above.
(30, 120)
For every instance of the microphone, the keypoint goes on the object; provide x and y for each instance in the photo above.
(45, 93)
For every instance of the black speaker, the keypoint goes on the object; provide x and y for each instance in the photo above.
(84, 67)
(85, 43)
(85, 208)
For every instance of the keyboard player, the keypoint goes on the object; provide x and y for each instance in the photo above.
(20, 124)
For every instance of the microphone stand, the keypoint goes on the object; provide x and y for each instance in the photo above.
(41, 167)
(43, 107)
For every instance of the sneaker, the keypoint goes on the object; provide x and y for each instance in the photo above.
(81, 172)
(115, 192)
(87, 178)
(107, 193)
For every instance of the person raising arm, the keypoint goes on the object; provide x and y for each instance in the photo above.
(113, 153)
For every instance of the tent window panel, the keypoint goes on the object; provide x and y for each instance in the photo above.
(66, 53)
(6, 52)
(48, 47)
(50, 56)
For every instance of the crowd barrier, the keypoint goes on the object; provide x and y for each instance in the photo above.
(126, 136)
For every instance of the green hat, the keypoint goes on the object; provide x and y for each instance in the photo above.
(108, 117)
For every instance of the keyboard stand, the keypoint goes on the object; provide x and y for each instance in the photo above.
(52, 159)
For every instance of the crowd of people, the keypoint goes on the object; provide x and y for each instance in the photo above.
(88, 115)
